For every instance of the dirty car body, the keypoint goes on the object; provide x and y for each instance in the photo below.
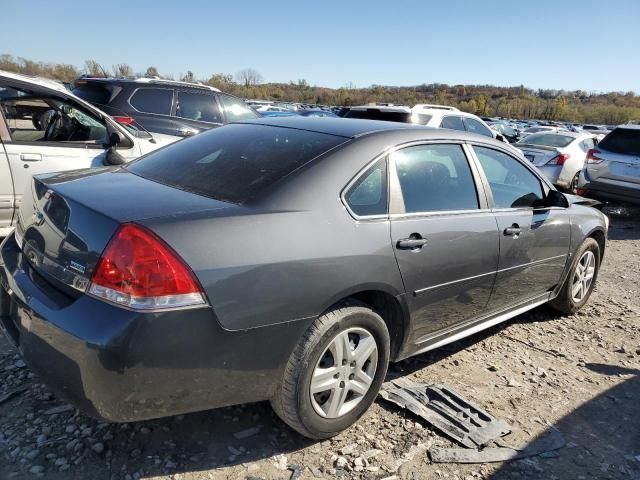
(296, 216)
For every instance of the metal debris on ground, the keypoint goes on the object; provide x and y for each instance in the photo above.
(296, 471)
(549, 443)
(466, 423)
(447, 411)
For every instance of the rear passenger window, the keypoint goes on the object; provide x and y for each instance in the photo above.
(152, 100)
(202, 107)
(435, 178)
(452, 122)
(474, 126)
(368, 196)
(512, 184)
(236, 109)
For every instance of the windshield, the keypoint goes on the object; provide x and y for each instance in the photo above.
(548, 140)
(236, 163)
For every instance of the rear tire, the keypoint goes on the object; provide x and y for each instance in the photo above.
(334, 373)
(581, 279)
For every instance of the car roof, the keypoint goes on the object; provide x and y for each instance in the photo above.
(37, 81)
(148, 81)
(342, 127)
(354, 128)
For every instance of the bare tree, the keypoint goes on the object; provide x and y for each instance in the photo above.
(189, 77)
(94, 69)
(152, 72)
(249, 77)
(121, 70)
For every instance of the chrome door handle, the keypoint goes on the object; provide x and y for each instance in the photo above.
(30, 157)
(414, 242)
(512, 231)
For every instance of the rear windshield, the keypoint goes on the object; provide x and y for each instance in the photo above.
(548, 140)
(93, 94)
(375, 114)
(236, 163)
(622, 140)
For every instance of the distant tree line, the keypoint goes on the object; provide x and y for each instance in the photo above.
(485, 100)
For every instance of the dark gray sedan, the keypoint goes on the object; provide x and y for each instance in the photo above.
(287, 259)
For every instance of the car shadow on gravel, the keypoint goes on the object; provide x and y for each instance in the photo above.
(602, 435)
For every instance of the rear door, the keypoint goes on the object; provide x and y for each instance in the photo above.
(445, 239)
(6, 184)
(534, 241)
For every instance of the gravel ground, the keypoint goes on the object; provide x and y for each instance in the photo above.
(580, 374)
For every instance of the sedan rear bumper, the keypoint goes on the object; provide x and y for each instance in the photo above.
(120, 366)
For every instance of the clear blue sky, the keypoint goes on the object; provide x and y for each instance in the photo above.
(590, 45)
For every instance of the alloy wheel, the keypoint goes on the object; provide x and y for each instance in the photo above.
(343, 375)
(583, 276)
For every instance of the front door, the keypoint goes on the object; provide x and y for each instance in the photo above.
(534, 241)
(445, 239)
(48, 134)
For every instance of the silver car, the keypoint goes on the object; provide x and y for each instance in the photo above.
(612, 170)
(560, 156)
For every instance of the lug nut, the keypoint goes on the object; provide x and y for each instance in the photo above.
(337, 375)
(353, 364)
(344, 362)
(341, 384)
(352, 376)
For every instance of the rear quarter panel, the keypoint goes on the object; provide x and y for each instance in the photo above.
(293, 256)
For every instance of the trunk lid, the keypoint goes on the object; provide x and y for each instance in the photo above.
(66, 220)
(538, 155)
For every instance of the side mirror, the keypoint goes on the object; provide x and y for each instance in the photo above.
(114, 139)
(555, 199)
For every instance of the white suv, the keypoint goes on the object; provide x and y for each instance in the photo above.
(441, 116)
(46, 128)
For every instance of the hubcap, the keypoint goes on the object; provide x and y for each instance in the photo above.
(344, 373)
(583, 276)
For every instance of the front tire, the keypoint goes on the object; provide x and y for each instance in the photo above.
(334, 373)
(581, 280)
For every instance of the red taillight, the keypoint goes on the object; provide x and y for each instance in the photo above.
(138, 270)
(124, 120)
(580, 191)
(592, 156)
(559, 159)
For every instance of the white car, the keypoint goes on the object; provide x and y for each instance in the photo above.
(559, 155)
(442, 116)
(540, 129)
(45, 128)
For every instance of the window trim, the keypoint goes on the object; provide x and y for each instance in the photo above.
(544, 183)
(171, 107)
(397, 210)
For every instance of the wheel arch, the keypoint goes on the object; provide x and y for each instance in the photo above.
(387, 303)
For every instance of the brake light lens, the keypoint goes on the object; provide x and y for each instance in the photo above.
(592, 156)
(139, 271)
(559, 159)
(124, 120)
